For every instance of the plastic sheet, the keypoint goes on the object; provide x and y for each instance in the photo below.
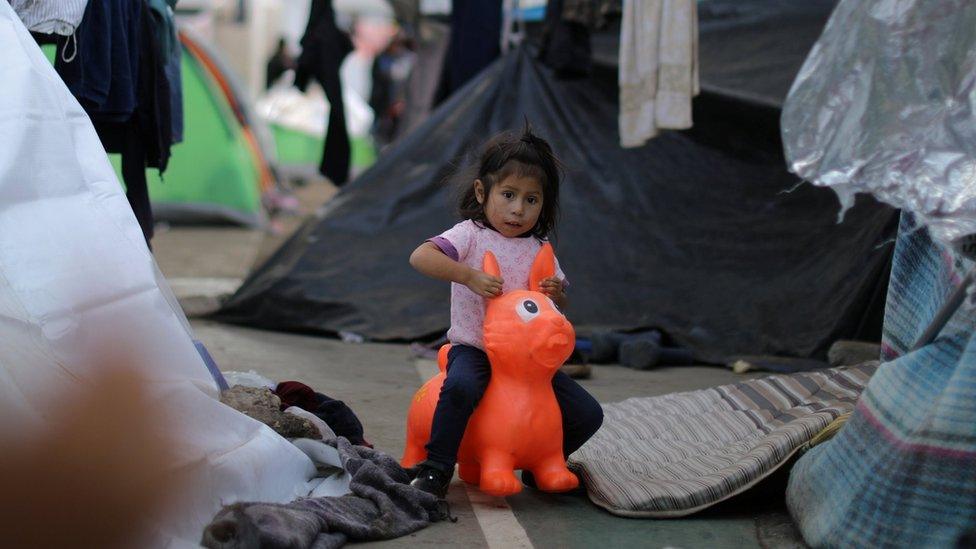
(884, 105)
(76, 278)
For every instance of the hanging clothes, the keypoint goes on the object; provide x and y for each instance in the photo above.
(658, 67)
(100, 63)
(116, 65)
(324, 47)
(164, 25)
(50, 16)
(565, 43)
(476, 30)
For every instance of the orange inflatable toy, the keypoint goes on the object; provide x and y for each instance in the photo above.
(517, 424)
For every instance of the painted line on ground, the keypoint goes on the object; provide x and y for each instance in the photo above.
(203, 286)
(495, 517)
(498, 523)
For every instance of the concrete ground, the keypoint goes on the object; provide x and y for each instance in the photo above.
(378, 380)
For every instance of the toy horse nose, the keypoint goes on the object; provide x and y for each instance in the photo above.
(557, 340)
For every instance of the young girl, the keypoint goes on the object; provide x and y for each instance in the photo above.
(509, 208)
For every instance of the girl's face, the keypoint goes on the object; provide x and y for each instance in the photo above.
(513, 205)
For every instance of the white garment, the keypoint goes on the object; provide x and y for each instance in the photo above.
(658, 67)
(47, 16)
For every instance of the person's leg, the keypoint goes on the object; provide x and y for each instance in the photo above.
(468, 372)
(582, 414)
(136, 187)
(582, 417)
(337, 151)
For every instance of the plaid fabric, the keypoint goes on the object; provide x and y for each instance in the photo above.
(675, 454)
(902, 472)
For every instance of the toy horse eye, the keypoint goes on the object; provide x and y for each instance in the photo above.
(527, 310)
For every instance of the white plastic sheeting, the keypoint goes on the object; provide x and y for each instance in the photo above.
(886, 104)
(308, 111)
(76, 275)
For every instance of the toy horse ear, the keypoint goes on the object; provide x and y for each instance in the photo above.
(490, 265)
(543, 266)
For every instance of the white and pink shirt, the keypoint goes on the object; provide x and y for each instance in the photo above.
(467, 243)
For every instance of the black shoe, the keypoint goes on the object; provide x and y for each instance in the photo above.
(431, 480)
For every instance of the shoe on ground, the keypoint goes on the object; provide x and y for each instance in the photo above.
(432, 480)
(577, 371)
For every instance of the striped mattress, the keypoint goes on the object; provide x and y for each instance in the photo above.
(672, 455)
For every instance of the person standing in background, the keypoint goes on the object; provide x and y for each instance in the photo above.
(281, 61)
(324, 47)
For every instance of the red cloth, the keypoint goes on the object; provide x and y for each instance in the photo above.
(294, 393)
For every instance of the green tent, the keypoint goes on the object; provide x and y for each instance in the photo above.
(219, 171)
(214, 175)
(297, 148)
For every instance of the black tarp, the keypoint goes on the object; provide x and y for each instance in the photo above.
(701, 233)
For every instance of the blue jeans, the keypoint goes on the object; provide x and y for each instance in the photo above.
(468, 372)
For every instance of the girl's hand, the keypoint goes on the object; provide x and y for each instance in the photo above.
(552, 287)
(484, 284)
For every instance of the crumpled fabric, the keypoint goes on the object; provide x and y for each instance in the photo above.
(884, 105)
(382, 505)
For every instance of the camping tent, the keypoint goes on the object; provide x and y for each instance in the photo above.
(221, 169)
(76, 277)
(224, 164)
(218, 173)
(701, 233)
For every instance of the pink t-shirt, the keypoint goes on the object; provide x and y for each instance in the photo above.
(467, 243)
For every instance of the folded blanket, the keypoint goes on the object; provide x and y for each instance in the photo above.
(676, 454)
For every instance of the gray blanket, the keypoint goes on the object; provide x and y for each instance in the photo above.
(382, 505)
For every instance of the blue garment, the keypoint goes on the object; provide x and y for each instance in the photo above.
(468, 373)
(103, 67)
(476, 30)
(170, 51)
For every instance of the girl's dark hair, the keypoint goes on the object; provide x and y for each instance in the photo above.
(521, 155)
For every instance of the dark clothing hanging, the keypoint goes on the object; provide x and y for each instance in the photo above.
(103, 54)
(116, 65)
(476, 30)
(170, 51)
(136, 187)
(279, 64)
(565, 43)
(324, 47)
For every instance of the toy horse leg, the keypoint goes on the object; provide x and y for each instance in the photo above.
(415, 452)
(551, 475)
(497, 473)
(413, 455)
(469, 472)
